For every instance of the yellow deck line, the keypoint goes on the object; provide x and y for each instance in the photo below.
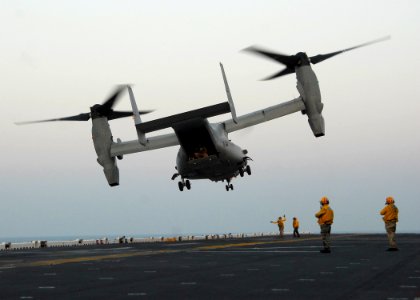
(60, 261)
(253, 244)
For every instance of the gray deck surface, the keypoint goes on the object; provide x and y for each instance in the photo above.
(256, 268)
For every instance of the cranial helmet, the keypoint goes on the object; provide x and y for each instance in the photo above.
(389, 200)
(324, 200)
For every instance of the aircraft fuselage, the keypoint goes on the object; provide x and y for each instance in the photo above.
(207, 153)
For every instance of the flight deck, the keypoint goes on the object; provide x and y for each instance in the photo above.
(249, 268)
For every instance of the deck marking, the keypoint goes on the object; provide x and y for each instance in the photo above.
(83, 259)
(250, 244)
(106, 278)
(7, 267)
(136, 294)
(326, 273)
(150, 271)
(263, 243)
(354, 263)
(132, 253)
(227, 275)
(306, 279)
(253, 251)
(26, 297)
(280, 290)
(414, 277)
(188, 283)
(341, 267)
(46, 287)
(50, 274)
(184, 244)
(253, 269)
(408, 286)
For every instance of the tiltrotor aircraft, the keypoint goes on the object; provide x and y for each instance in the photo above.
(205, 149)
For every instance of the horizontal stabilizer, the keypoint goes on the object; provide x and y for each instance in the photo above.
(166, 122)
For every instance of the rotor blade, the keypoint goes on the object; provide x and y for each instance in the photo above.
(122, 114)
(109, 103)
(287, 60)
(281, 73)
(321, 57)
(80, 117)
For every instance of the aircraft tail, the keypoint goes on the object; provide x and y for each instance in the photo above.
(137, 120)
(229, 96)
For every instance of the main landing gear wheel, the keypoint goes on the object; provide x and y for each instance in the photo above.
(241, 172)
(248, 170)
(180, 186)
(229, 187)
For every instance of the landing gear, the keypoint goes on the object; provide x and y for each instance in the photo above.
(248, 170)
(229, 187)
(182, 184)
(242, 171)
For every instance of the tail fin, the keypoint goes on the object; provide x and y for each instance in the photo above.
(137, 120)
(231, 104)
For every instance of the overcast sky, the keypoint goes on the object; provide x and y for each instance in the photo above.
(60, 57)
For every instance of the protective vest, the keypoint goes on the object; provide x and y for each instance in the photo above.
(280, 222)
(295, 223)
(325, 215)
(390, 213)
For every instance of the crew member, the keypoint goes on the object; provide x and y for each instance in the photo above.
(280, 222)
(201, 153)
(390, 217)
(325, 218)
(295, 227)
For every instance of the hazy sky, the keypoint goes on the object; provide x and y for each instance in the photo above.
(60, 57)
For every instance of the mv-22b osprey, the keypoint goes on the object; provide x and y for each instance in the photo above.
(205, 149)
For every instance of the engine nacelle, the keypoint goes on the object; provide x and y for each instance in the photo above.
(308, 87)
(316, 121)
(102, 140)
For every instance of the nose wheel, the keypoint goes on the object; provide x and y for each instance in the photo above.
(184, 183)
(247, 170)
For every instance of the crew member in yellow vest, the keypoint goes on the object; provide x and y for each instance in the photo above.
(390, 217)
(325, 219)
(295, 227)
(280, 222)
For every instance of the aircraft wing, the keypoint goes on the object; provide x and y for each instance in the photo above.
(153, 143)
(171, 121)
(167, 140)
(265, 115)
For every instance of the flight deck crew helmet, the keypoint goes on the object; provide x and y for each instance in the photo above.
(324, 200)
(389, 200)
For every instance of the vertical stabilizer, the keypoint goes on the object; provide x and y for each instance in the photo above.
(137, 120)
(231, 104)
